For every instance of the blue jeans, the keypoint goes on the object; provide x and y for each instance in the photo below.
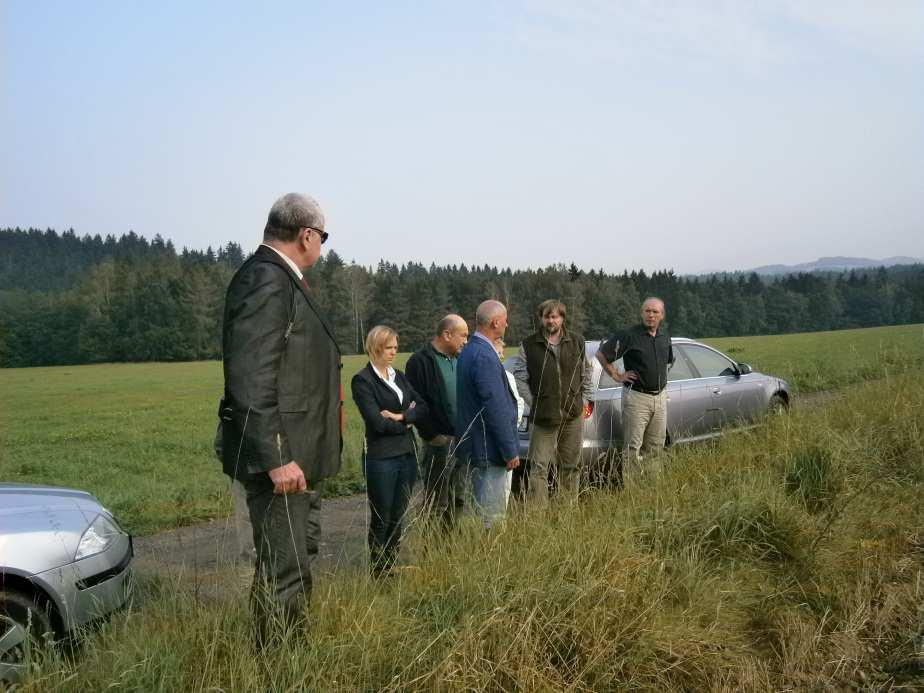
(489, 486)
(389, 482)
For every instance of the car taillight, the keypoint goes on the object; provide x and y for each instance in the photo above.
(588, 410)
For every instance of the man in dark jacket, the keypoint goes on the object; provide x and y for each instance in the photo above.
(553, 376)
(486, 420)
(431, 370)
(281, 411)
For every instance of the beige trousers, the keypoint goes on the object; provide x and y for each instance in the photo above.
(644, 425)
(555, 454)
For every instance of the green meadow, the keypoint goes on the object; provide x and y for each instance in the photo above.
(786, 557)
(139, 436)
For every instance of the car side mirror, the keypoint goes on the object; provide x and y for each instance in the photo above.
(744, 369)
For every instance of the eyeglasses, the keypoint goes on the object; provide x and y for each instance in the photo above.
(321, 233)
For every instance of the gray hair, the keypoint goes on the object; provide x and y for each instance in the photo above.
(487, 311)
(290, 214)
(655, 298)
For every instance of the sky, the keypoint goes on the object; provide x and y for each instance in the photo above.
(641, 134)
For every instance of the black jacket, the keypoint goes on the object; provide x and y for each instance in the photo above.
(424, 374)
(282, 375)
(385, 437)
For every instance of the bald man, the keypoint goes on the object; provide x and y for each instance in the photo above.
(486, 421)
(431, 370)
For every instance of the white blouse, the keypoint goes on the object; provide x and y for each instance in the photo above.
(390, 381)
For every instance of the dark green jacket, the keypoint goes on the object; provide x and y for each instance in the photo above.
(282, 375)
(555, 383)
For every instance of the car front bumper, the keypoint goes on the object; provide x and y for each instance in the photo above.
(91, 587)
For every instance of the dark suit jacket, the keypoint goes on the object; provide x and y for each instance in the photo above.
(486, 420)
(282, 375)
(385, 437)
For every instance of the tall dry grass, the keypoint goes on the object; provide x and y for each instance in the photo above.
(787, 557)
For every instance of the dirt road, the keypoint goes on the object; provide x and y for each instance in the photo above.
(204, 556)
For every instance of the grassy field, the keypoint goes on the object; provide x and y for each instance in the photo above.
(789, 557)
(139, 436)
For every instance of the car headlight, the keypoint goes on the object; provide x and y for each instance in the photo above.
(99, 535)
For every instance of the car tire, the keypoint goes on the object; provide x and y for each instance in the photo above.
(24, 623)
(777, 405)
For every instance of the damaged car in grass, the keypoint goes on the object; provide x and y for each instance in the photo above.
(64, 562)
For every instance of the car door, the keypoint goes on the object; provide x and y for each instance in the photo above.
(684, 415)
(608, 408)
(731, 397)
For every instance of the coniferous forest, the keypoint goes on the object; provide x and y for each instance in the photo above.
(69, 299)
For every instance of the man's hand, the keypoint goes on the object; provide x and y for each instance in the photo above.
(439, 440)
(513, 464)
(288, 478)
(391, 415)
(629, 377)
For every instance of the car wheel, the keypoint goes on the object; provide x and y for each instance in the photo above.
(23, 624)
(778, 405)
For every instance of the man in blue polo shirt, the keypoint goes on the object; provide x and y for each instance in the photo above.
(646, 353)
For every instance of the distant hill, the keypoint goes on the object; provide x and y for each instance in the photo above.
(836, 264)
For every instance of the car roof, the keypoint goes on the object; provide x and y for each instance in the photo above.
(591, 345)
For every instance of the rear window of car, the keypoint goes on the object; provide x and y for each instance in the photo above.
(606, 381)
(680, 370)
(709, 363)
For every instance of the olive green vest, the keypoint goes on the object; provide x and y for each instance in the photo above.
(555, 383)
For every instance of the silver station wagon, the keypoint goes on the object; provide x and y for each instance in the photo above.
(706, 391)
(64, 562)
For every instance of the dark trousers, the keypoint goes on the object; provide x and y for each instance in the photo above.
(389, 483)
(286, 531)
(442, 478)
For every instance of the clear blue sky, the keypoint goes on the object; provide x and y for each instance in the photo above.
(693, 135)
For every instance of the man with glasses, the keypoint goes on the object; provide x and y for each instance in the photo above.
(281, 411)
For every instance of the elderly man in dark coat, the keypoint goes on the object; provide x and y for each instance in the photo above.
(281, 411)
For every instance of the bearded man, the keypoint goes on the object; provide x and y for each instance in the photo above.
(554, 377)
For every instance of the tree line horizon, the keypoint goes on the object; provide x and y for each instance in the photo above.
(67, 299)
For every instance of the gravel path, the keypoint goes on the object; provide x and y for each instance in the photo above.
(204, 557)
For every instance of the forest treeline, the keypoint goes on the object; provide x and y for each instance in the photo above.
(68, 299)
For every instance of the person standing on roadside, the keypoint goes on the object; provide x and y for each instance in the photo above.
(486, 420)
(554, 377)
(281, 414)
(431, 370)
(389, 405)
(646, 353)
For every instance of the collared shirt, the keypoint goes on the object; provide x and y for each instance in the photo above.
(643, 353)
(478, 334)
(295, 268)
(390, 381)
(447, 368)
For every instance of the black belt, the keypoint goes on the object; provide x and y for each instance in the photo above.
(644, 391)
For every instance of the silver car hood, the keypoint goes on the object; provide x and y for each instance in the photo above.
(41, 526)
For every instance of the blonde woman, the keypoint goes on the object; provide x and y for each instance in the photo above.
(388, 405)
